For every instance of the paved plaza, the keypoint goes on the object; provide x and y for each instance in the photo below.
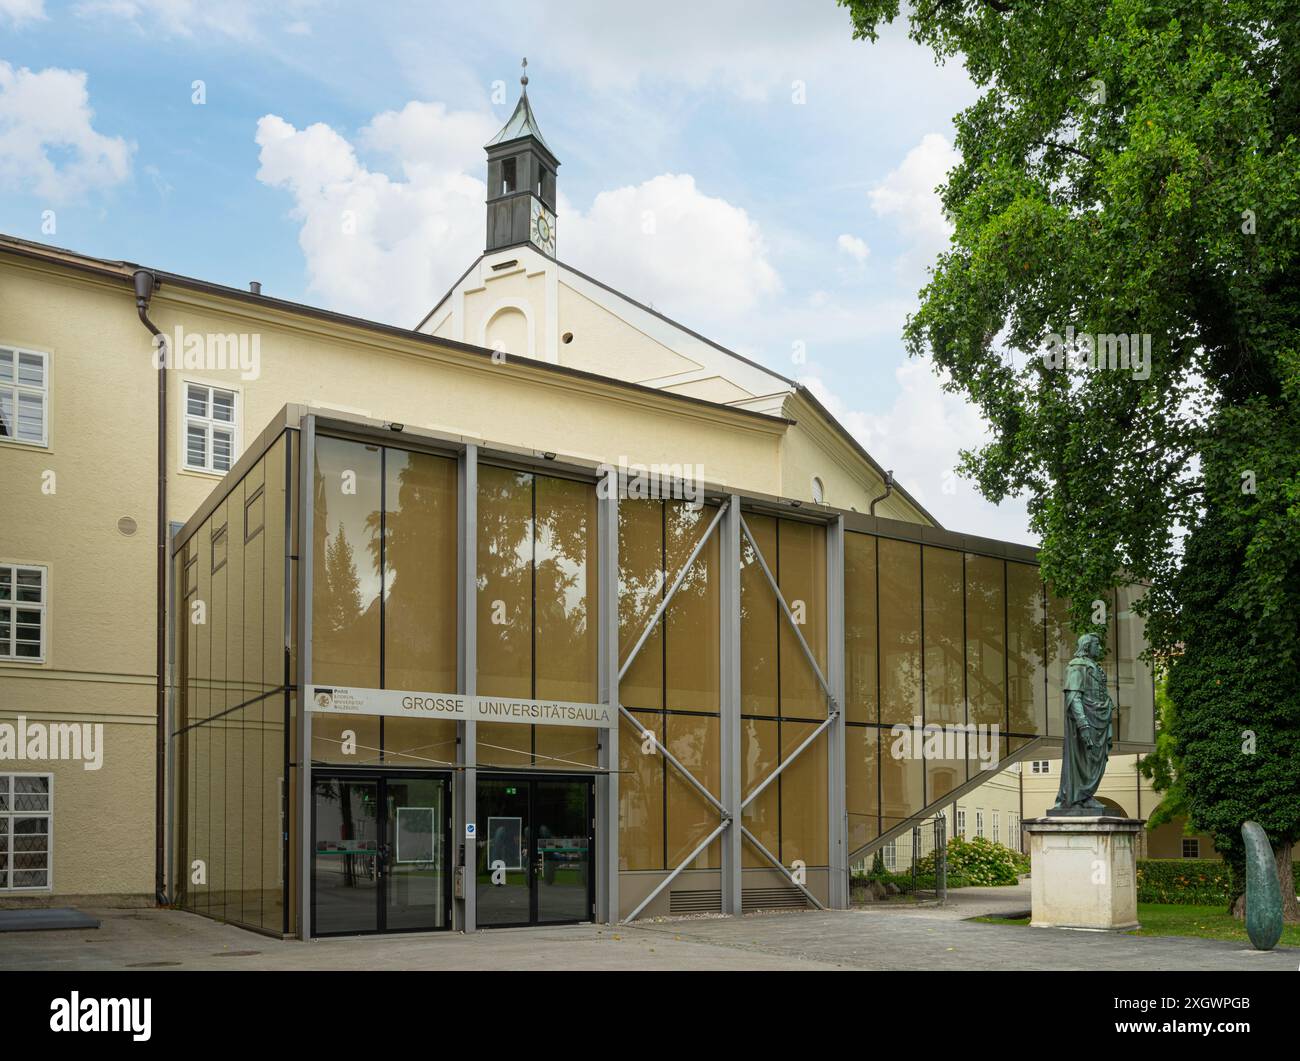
(874, 938)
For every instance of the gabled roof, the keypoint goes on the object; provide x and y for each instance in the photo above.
(792, 386)
(522, 123)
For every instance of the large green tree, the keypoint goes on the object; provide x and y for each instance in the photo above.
(1133, 168)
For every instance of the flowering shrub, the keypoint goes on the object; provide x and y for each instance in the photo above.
(978, 863)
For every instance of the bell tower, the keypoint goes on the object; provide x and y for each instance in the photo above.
(521, 182)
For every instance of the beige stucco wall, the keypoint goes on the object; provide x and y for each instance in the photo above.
(99, 665)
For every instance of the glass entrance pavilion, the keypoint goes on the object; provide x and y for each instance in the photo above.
(424, 683)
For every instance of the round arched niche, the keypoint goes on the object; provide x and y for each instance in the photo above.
(507, 329)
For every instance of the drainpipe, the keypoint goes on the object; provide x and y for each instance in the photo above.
(889, 489)
(145, 285)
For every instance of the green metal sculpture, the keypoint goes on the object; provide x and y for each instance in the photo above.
(1263, 889)
(1089, 715)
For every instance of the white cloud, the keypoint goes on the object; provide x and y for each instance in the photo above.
(20, 11)
(48, 144)
(907, 196)
(240, 20)
(855, 247)
(375, 245)
(919, 437)
(391, 218)
(664, 241)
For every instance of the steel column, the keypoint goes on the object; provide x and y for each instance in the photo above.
(836, 781)
(466, 781)
(729, 703)
(607, 816)
(306, 506)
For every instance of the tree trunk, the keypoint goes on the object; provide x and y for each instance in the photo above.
(1286, 876)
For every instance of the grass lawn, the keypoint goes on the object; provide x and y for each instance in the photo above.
(1170, 919)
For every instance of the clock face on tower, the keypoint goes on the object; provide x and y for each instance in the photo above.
(541, 228)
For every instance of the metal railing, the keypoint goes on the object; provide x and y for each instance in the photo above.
(912, 866)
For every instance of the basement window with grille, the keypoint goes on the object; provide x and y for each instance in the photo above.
(26, 812)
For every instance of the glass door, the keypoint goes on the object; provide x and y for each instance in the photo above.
(534, 851)
(346, 867)
(563, 811)
(502, 859)
(416, 871)
(380, 855)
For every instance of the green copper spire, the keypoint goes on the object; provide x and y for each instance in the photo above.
(522, 123)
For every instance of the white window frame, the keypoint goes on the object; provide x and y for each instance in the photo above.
(979, 821)
(997, 834)
(7, 887)
(961, 822)
(15, 388)
(208, 422)
(1041, 766)
(12, 606)
(890, 852)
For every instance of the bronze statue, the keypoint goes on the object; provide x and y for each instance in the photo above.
(1085, 747)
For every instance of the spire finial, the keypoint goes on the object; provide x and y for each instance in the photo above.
(523, 79)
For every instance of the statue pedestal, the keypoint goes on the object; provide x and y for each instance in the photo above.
(1083, 872)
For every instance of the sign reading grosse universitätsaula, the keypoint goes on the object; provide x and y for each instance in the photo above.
(335, 699)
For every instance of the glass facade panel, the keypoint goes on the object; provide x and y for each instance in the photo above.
(695, 742)
(801, 574)
(504, 744)
(566, 747)
(345, 739)
(759, 615)
(902, 780)
(900, 631)
(860, 627)
(345, 564)
(505, 582)
(986, 660)
(420, 533)
(1136, 698)
(945, 769)
(759, 755)
(1060, 650)
(640, 795)
(945, 679)
(641, 588)
(428, 742)
(862, 797)
(803, 797)
(1026, 670)
(565, 590)
(691, 648)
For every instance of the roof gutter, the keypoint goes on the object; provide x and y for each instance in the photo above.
(146, 283)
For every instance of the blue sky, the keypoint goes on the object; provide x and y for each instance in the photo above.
(745, 167)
